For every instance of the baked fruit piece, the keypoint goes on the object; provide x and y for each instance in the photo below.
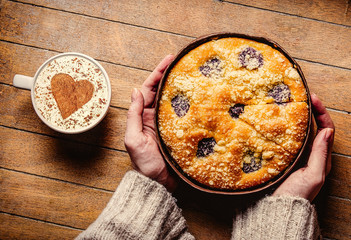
(233, 113)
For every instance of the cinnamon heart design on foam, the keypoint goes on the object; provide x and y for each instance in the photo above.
(70, 95)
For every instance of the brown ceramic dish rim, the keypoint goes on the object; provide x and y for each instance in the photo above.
(172, 163)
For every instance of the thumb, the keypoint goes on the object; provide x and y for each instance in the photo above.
(320, 158)
(135, 115)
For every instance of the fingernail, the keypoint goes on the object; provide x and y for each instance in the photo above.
(134, 94)
(328, 134)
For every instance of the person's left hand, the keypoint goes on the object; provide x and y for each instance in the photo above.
(140, 137)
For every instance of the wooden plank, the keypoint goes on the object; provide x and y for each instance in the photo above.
(65, 160)
(342, 124)
(337, 211)
(335, 218)
(37, 161)
(328, 82)
(75, 206)
(100, 39)
(109, 133)
(123, 79)
(54, 201)
(50, 200)
(41, 157)
(338, 183)
(204, 227)
(44, 156)
(140, 47)
(14, 227)
(22, 116)
(42, 165)
(336, 11)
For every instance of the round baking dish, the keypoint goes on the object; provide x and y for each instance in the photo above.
(173, 164)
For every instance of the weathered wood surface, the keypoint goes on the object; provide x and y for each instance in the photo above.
(336, 11)
(109, 133)
(336, 222)
(141, 47)
(103, 168)
(15, 227)
(54, 186)
(111, 129)
(124, 78)
(52, 201)
(339, 180)
(62, 159)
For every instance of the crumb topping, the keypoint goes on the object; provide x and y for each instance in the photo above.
(246, 117)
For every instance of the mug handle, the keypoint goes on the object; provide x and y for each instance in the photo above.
(22, 81)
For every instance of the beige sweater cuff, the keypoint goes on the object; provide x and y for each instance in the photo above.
(277, 218)
(139, 209)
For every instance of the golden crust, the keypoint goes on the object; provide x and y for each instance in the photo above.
(284, 124)
(249, 149)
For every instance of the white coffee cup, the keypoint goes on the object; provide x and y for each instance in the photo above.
(79, 67)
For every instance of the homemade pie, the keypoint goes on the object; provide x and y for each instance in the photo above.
(233, 113)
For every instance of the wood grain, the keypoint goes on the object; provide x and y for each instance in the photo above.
(19, 59)
(94, 173)
(60, 159)
(320, 78)
(109, 133)
(342, 139)
(110, 130)
(141, 47)
(53, 185)
(331, 84)
(50, 200)
(197, 220)
(100, 39)
(42, 164)
(50, 157)
(336, 218)
(336, 11)
(15, 227)
(338, 182)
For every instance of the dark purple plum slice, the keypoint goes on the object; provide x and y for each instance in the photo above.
(205, 147)
(252, 166)
(236, 110)
(280, 93)
(180, 105)
(211, 68)
(251, 58)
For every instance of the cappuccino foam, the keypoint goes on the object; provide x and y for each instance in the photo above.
(79, 68)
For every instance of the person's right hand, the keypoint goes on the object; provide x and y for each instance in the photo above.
(307, 182)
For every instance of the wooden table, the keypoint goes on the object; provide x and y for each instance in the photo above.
(53, 185)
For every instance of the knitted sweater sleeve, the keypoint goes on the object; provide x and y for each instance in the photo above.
(277, 218)
(140, 208)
